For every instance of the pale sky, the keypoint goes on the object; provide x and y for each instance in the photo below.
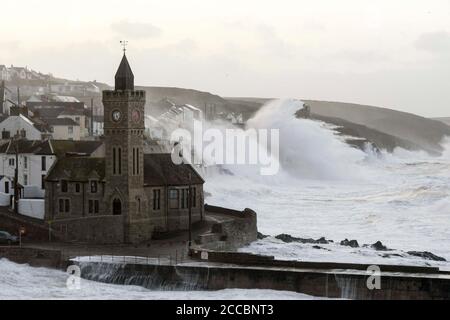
(390, 53)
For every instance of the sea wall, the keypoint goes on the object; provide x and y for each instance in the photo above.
(33, 257)
(342, 284)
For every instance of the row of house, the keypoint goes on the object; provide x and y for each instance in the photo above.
(21, 73)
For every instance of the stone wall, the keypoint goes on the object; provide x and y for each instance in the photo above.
(35, 230)
(34, 257)
(234, 230)
(97, 229)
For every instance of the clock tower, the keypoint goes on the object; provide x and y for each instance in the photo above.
(124, 157)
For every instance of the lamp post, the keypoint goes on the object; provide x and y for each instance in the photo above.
(190, 210)
(16, 177)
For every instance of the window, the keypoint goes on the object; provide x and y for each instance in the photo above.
(194, 197)
(23, 133)
(117, 160)
(6, 186)
(156, 199)
(64, 205)
(139, 205)
(70, 130)
(173, 199)
(6, 134)
(77, 188)
(43, 182)
(12, 162)
(93, 206)
(25, 180)
(134, 161)
(25, 162)
(114, 160)
(94, 186)
(119, 156)
(137, 160)
(64, 186)
(44, 163)
(77, 120)
(184, 198)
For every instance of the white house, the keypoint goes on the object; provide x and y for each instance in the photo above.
(4, 73)
(22, 126)
(97, 125)
(79, 117)
(20, 73)
(6, 190)
(75, 87)
(35, 158)
(64, 129)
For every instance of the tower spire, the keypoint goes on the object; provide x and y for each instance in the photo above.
(124, 79)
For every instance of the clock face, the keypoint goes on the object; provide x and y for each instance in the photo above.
(136, 115)
(116, 115)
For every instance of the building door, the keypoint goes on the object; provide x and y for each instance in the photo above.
(117, 207)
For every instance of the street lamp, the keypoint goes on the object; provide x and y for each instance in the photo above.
(190, 210)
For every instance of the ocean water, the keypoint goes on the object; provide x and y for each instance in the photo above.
(20, 281)
(325, 188)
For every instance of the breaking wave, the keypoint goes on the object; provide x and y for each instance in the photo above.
(327, 188)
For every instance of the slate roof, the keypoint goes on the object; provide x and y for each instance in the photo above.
(60, 148)
(64, 148)
(38, 147)
(78, 169)
(60, 122)
(159, 170)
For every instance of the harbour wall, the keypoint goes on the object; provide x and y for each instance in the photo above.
(347, 284)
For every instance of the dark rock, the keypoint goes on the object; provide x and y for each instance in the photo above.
(321, 248)
(389, 255)
(261, 236)
(379, 246)
(322, 241)
(426, 255)
(288, 238)
(350, 243)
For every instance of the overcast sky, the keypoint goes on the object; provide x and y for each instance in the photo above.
(387, 53)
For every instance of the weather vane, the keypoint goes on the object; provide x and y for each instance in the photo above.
(124, 44)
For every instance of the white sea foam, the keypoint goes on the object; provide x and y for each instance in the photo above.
(327, 188)
(18, 281)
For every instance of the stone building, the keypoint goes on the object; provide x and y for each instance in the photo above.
(126, 196)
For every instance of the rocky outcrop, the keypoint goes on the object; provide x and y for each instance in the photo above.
(426, 255)
(350, 243)
(288, 239)
(379, 246)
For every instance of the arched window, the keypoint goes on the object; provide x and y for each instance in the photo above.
(117, 207)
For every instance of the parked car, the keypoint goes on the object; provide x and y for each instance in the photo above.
(7, 238)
